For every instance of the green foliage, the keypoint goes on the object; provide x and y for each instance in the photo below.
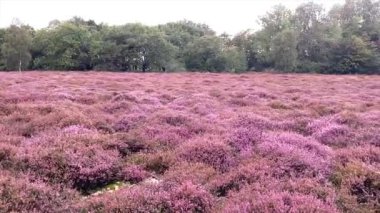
(355, 55)
(63, 47)
(133, 47)
(2, 62)
(211, 54)
(283, 50)
(15, 48)
(344, 40)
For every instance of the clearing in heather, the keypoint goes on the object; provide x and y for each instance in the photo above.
(189, 142)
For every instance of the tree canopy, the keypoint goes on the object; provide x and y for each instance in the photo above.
(344, 40)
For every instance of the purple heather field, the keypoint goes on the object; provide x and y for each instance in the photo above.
(189, 142)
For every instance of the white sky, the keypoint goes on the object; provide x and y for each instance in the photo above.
(231, 16)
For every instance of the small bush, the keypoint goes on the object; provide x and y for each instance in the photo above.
(297, 155)
(134, 174)
(244, 138)
(215, 154)
(195, 172)
(251, 201)
(22, 195)
(81, 162)
(7, 155)
(333, 135)
(185, 197)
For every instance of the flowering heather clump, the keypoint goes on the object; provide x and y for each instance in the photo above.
(188, 142)
(213, 153)
(92, 167)
(76, 129)
(333, 135)
(7, 153)
(18, 194)
(298, 155)
(194, 172)
(128, 122)
(185, 197)
(81, 165)
(253, 121)
(188, 197)
(244, 138)
(247, 201)
(369, 155)
(258, 171)
(134, 174)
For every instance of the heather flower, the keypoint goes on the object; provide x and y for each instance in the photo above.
(7, 155)
(134, 174)
(213, 153)
(333, 135)
(185, 197)
(258, 171)
(195, 172)
(76, 129)
(251, 201)
(19, 194)
(298, 155)
(244, 138)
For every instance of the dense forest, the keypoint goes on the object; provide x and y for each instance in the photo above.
(344, 40)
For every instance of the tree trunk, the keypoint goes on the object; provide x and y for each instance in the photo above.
(20, 64)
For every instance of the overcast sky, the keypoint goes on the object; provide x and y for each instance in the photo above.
(229, 16)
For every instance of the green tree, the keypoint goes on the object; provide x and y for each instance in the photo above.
(354, 55)
(273, 23)
(65, 46)
(311, 42)
(210, 53)
(134, 47)
(2, 62)
(246, 43)
(284, 50)
(15, 48)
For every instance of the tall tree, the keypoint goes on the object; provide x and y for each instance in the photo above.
(15, 48)
(309, 20)
(283, 50)
(65, 46)
(2, 62)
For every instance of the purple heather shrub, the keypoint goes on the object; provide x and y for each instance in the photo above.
(185, 197)
(19, 194)
(7, 155)
(258, 171)
(128, 122)
(369, 155)
(189, 197)
(250, 201)
(134, 174)
(92, 167)
(76, 129)
(159, 162)
(188, 142)
(253, 121)
(76, 160)
(244, 138)
(195, 172)
(208, 151)
(298, 155)
(308, 186)
(125, 97)
(298, 124)
(171, 130)
(320, 123)
(333, 135)
(133, 199)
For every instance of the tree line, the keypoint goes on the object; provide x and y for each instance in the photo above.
(344, 40)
